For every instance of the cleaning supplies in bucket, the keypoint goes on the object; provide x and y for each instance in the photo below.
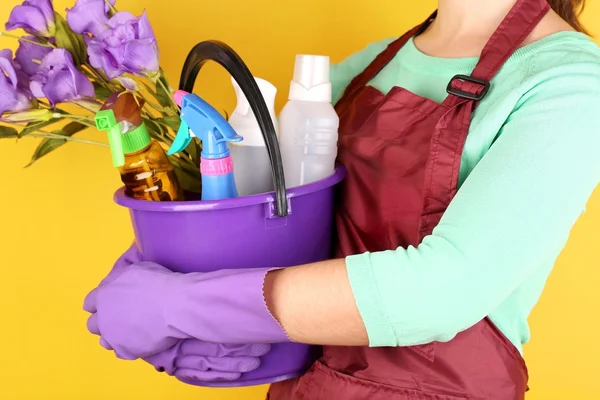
(283, 228)
(145, 168)
(309, 124)
(200, 119)
(252, 167)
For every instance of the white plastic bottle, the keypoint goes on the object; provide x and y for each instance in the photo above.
(252, 168)
(309, 124)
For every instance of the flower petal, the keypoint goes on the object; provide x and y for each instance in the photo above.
(59, 80)
(128, 83)
(60, 88)
(29, 19)
(88, 16)
(37, 88)
(101, 59)
(120, 18)
(12, 99)
(145, 29)
(45, 7)
(141, 56)
(7, 70)
(83, 86)
(29, 55)
(6, 53)
(117, 53)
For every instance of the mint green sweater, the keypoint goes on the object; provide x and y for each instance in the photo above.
(530, 163)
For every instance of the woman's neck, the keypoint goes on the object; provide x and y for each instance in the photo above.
(463, 27)
(470, 17)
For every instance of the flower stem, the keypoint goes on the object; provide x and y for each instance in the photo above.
(110, 6)
(99, 78)
(88, 104)
(49, 135)
(9, 35)
(167, 91)
(82, 120)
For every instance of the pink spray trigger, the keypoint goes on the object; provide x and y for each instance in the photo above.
(178, 96)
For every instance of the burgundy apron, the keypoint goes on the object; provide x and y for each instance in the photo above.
(403, 154)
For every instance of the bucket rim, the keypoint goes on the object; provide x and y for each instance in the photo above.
(209, 205)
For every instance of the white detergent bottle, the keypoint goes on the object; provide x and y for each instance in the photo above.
(309, 124)
(252, 168)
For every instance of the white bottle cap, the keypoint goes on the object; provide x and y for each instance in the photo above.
(311, 79)
(243, 121)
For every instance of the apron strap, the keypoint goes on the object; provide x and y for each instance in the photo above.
(383, 59)
(510, 34)
(442, 172)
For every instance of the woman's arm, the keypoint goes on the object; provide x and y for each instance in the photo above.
(512, 215)
(322, 291)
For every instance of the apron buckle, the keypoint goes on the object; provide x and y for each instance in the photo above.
(477, 95)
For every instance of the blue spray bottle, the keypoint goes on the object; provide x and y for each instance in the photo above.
(199, 119)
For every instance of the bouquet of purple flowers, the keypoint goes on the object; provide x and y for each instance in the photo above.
(76, 62)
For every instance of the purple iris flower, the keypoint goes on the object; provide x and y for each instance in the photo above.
(58, 80)
(14, 93)
(29, 55)
(129, 45)
(33, 16)
(89, 16)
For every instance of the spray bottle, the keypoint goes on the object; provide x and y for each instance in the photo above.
(145, 168)
(309, 123)
(199, 119)
(250, 157)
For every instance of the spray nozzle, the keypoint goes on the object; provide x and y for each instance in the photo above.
(199, 119)
(121, 114)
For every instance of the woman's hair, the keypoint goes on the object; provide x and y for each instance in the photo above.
(569, 10)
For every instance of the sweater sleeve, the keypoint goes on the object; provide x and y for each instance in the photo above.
(512, 214)
(342, 73)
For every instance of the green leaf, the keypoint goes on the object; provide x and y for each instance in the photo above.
(156, 132)
(71, 129)
(69, 40)
(149, 88)
(172, 121)
(7, 132)
(194, 149)
(152, 127)
(102, 92)
(190, 181)
(34, 126)
(48, 145)
(164, 99)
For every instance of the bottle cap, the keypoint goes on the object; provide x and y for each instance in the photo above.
(136, 140)
(311, 79)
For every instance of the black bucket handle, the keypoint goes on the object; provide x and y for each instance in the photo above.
(214, 50)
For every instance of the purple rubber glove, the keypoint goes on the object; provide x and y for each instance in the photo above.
(144, 308)
(208, 362)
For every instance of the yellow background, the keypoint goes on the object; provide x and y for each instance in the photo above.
(60, 231)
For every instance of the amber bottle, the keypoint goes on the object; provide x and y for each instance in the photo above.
(145, 168)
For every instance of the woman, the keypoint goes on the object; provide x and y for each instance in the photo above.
(465, 176)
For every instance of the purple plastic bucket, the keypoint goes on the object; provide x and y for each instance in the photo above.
(243, 232)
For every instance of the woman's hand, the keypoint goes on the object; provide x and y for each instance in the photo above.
(128, 311)
(192, 359)
(142, 308)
